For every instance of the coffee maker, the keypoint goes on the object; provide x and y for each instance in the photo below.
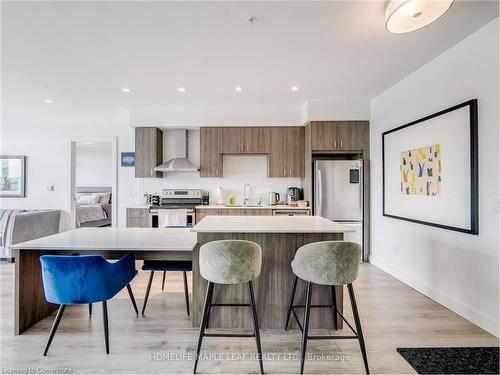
(293, 194)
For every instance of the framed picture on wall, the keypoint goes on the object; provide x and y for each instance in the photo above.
(12, 176)
(430, 170)
(127, 159)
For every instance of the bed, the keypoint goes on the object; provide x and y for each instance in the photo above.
(93, 206)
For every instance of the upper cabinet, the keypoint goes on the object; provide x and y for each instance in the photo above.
(210, 152)
(285, 146)
(246, 140)
(339, 135)
(286, 154)
(148, 151)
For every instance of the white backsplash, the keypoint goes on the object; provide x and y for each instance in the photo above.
(238, 171)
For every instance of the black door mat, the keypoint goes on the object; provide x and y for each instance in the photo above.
(474, 360)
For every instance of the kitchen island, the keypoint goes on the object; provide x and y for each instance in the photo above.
(279, 237)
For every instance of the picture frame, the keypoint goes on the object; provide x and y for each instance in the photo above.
(12, 176)
(430, 170)
(127, 159)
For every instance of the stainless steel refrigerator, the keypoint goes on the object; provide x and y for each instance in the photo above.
(338, 194)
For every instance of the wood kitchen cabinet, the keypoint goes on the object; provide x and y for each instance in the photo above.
(245, 140)
(339, 135)
(286, 152)
(138, 218)
(148, 151)
(210, 152)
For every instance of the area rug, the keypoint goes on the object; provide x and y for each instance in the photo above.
(475, 360)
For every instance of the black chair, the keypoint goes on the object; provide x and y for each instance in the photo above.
(167, 265)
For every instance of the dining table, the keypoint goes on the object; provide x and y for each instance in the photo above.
(111, 243)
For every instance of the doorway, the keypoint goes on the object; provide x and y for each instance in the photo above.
(93, 197)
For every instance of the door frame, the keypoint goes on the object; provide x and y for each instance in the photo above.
(114, 175)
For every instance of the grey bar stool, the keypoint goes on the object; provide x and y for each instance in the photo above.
(229, 262)
(327, 263)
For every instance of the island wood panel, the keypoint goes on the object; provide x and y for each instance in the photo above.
(202, 212)
(271, 288)
(30, 304)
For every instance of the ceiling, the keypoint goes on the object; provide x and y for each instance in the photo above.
(82, 54)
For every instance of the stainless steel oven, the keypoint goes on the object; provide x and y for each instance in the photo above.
(176, 199)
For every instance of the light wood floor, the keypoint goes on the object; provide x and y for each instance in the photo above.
(393, 315)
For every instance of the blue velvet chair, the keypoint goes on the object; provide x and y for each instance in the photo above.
(71, 280)
(167, 265)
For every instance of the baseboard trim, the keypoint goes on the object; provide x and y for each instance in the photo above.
(465, 311)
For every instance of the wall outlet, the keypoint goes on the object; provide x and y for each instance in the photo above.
(49, 188)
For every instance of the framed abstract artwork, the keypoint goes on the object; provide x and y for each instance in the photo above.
(128, 159)
(430, 170)
(12, 176)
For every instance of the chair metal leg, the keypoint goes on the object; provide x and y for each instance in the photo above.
(54, 328)
(90, 309)
(163, 282)
(186, 291)
(290, 301)
(255, 325)
(334, 303)
(147, 291)
(132, 299)
(358, 326)
(105, 320)
(305, 326)
(204, 319)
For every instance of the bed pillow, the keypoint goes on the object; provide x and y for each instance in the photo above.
(88, 199)
(103, 198)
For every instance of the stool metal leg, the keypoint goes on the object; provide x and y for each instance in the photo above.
(358, 326)
(54, 328)
(147, 291)
(186, 291)
(131, 294)
(305, 325)
(163, 282)
(90, 309)
(334, 303)
(255, 325)
(290, 301)
(208, 299)
(106, 330)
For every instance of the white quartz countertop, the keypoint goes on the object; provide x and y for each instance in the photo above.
(276, 207)
(269, 224)
(125, 239)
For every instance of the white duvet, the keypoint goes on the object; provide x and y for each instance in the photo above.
(89, 212)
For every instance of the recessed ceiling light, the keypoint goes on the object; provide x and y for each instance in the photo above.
(295, 88)
(126, 90)
(182, 89)
(50, 101)
(403, 16)
(238, 89)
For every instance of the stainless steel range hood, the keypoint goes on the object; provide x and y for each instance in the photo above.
(180, 162)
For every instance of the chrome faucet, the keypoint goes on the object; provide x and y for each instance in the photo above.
(245, 197)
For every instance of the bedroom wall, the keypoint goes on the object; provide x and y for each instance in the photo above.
(93, 164)
(459, 271)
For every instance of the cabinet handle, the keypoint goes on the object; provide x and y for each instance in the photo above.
(334, 143)
(341, 143)
(151, 172)
(290, 172)
(284, 172)
(242, 147)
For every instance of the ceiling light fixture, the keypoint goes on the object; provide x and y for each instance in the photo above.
(294, 88)
(126, 90)
(182, 89)
(238, 89)
(403, 16)
(49, 101)
(252, 20)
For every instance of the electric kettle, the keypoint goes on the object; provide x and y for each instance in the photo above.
(274, 198)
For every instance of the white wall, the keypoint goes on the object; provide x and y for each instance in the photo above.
(93, 164)
(458, 270)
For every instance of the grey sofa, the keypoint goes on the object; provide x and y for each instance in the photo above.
(24, 225)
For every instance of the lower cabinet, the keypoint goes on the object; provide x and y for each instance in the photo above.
(202, 212)
(138, 218)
